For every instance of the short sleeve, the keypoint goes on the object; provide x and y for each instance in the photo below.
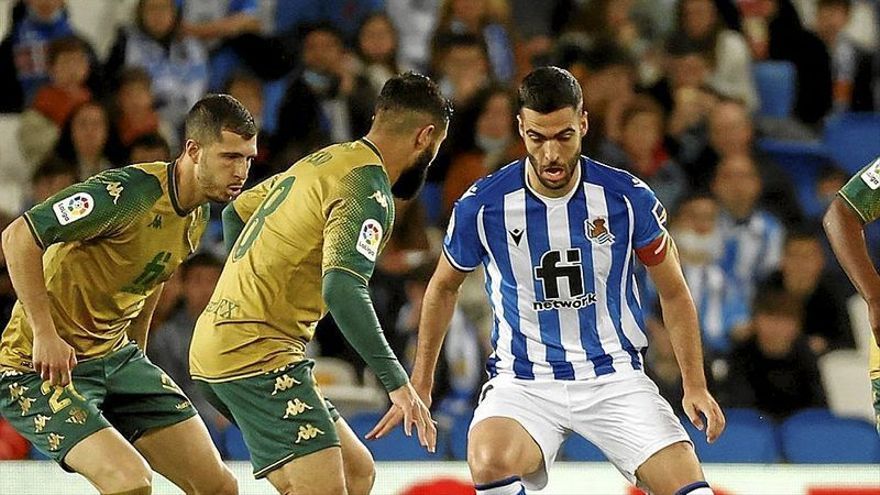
(862, 192)
(98, 207)
(650, 238)
(462, 245)
(359, 216)
(248, 201)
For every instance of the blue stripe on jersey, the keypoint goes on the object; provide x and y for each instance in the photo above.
(548, 321)
(577, 209)
(634, 306)
(619, 220)
(496, 236)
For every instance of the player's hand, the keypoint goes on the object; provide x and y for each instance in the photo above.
(54, 359)
(409, 407)
(699, 402)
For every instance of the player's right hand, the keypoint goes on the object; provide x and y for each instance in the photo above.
(408, 406)
(54, 359)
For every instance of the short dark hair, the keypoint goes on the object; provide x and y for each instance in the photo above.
(66, 44)
(846, 4)
(774, 301)
(213, 114)
(54, 166)
(133, 75)
(550, 88)
(414, 92)
(803, 232)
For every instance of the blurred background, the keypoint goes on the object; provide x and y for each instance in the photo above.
(744, 116)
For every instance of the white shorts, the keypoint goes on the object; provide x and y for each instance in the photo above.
(622, 414)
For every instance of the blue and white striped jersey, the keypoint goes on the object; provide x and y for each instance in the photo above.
(559, 271)
(752, 248)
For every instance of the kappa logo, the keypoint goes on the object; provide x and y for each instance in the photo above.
(380, 198)
(114, 189)
(597, 231)
(73, 208)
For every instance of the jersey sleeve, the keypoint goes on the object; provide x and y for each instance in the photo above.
(862, 192)
(248, 201)
(98, 207)
(650, 238)
(461, 245)
(357, 217)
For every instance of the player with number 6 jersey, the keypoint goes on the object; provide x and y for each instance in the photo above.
(309, 245)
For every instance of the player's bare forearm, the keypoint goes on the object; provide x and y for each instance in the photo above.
(437, 309)
(24, 261)
(845, 233)
(680, 318)
(139, 329)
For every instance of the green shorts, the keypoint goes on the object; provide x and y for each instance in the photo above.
(875, 383)
(282, 414)
(122, 389)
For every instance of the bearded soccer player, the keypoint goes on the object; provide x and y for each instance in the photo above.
(858, 204)
(558, 234)
(88, 266)
(312, 237)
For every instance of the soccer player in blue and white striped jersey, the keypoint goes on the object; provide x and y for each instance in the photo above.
(558, 235)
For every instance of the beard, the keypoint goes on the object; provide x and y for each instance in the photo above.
(567, 167)
(410, 182)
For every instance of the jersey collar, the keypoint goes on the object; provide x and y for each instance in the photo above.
(546, 199)
(172, 189)
(374, 149)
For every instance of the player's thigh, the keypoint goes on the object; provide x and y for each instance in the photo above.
(318, 473)
(630, 422)
(281, 414)
(505, 443)
(357, 462)
(669, 470)
(185, 454)
(109, 462)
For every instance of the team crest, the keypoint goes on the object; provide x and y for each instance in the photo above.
(369, 239)
(597, 231)
(73, 208)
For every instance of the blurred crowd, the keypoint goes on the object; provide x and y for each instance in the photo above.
(671, 97)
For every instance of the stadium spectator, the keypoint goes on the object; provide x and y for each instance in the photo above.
(609, 22)
(775, 371)
(485, 20)
(641, 151)
(53, 175)
(41, 123)
(134, 112)
(462, 67)
(83, 140)
(731, 73)
(415, 21)
(825, 318)
(774, 32)
(177, 64)
(149, 148)
(377, 46)
(752, 237)
(484, 139)
(216, 21)
(327, 101)
(168, 343)
(850, 64)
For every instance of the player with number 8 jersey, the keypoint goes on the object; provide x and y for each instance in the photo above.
(310, 242)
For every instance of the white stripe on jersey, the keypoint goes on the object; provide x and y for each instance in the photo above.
(521, 266)
(503, 350)
(598, 208)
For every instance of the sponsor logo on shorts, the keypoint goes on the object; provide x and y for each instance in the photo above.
(284, 382)
(306, 433)
(55, 441)
(73, 208)
(183, 405)
(296, 407)
(16, 391)
(40, 422)
(25, 404)
(78, 416)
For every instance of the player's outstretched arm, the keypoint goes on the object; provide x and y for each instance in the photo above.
(845, 232)
(680, 317)
(348, 300)
(437, 309)
(53, 357)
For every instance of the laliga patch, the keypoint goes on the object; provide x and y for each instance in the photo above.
(871, 175)
(369, 239)
(72, 208)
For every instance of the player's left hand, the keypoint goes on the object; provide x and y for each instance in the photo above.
(697, 402)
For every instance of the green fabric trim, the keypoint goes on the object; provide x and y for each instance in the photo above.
(172, 190)
(232, 226)
(349, 302)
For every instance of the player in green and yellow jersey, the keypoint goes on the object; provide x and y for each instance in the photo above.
(857, 204)
(312, 237)
(88, 266)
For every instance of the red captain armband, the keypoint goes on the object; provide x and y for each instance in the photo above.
(655, 252)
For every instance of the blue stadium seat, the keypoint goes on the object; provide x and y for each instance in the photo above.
(802, 162)
(432, 199)
(749, 437)
(816, 436)
(576, 448)
(458, 437)
(775, 82)
(234, 446)
(221, 66)
(853, 139)
(273, 97)
(395, 446)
